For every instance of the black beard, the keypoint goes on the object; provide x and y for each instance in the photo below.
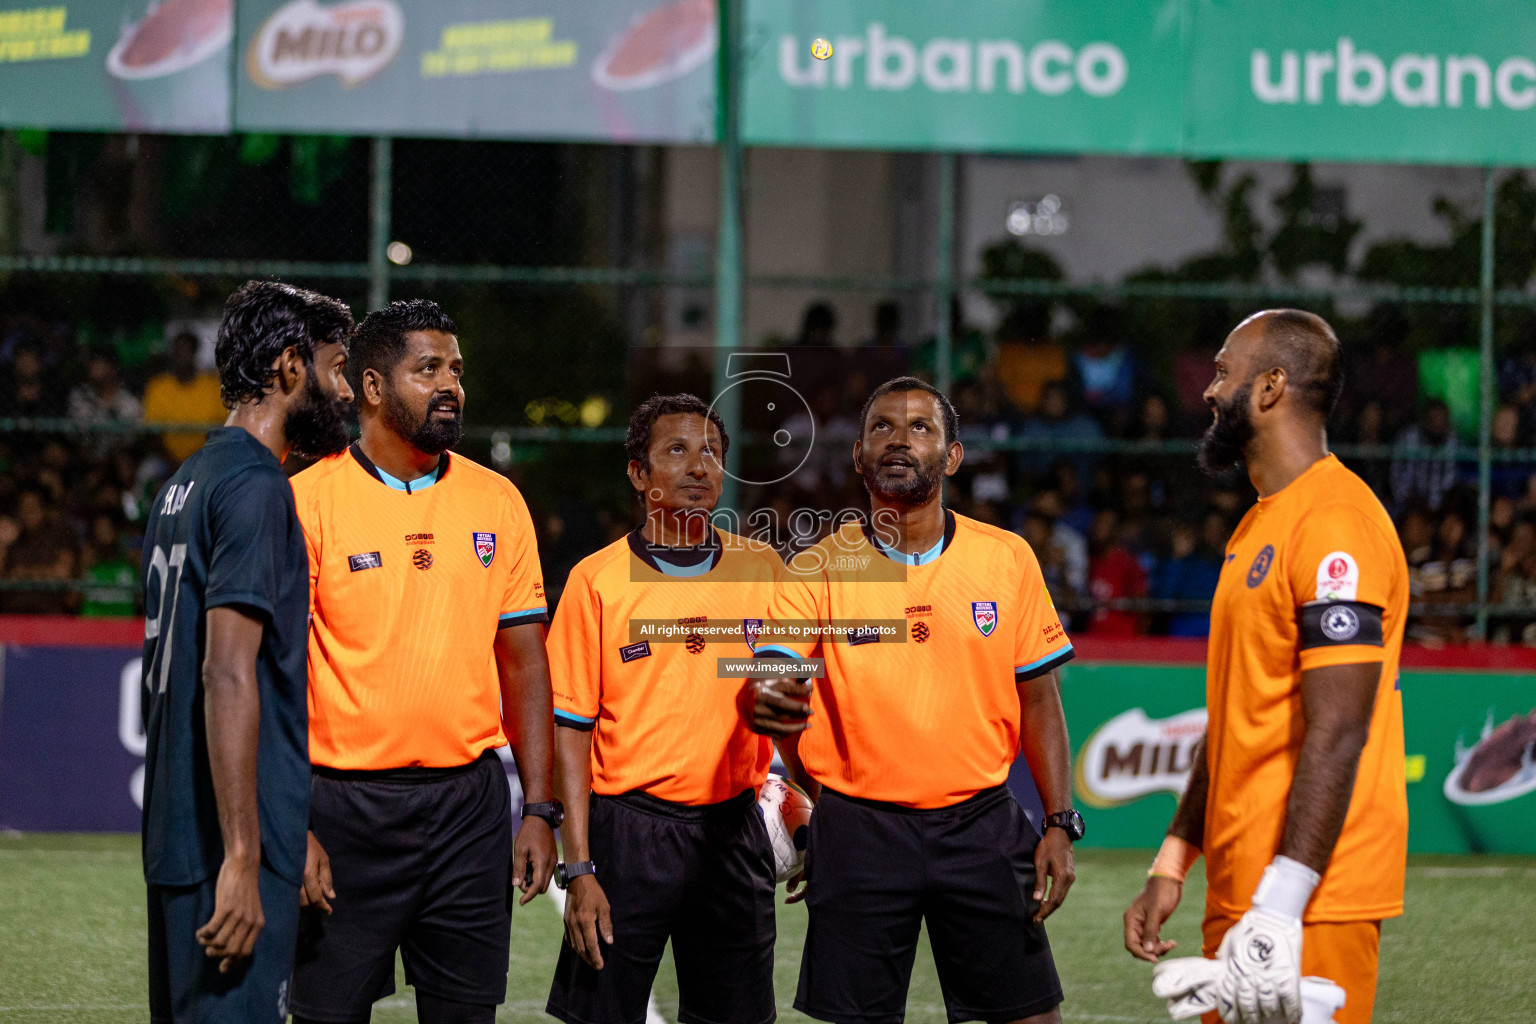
(1228, 436)
(914, 490)
(316, 426)
(426, 435)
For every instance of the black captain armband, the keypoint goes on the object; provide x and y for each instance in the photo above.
(1340, 624)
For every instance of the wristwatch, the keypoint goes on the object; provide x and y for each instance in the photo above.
(1069, 822)
(564, 873)
(552, 811)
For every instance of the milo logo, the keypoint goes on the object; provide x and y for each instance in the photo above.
(303, 40)
(1132, 756)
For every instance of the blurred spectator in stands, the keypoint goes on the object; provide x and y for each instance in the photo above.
(1193, 369)
(1508, 479)
(30, 392)
(102, 399)
(1028, 358)
(1074, 546)
(1515, 583)
(1153, 422)
(887, 325)
(1191, 572)
(1037, 531)
(1077, 511)
(1384, 371)
(111, 574)
(1109, 375)
(818, 327)
(1447, 576)
(1114, 573)
(38, 548)
(1417, 478)
(1368, 430)
(1517, 375)
(969, 351)
(184, 395)
(1056, 422)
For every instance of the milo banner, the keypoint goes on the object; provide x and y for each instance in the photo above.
(1040, 75)
(619, 70)
(135, 65)
(1470, 748)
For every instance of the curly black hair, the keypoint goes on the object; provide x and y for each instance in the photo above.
(904, 384)
(379, 342)
(637, 441)
(261, 319)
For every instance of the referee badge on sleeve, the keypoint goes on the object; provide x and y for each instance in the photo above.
(485, 548)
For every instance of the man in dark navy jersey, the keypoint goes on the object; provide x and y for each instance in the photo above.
(226, 790)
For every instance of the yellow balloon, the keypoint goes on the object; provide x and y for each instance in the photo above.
(821, 49)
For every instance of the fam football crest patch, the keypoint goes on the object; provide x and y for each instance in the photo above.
(984, 614)
(752, 632)
(485, 548)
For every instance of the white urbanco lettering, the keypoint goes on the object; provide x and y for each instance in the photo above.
(892, 63)
(1355, 77)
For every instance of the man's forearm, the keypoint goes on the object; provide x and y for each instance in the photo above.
(232, 715)
(789, 753)
(530, 737)
(573, 780)
(1189, 818)
(1320, 794)
(1044, 741)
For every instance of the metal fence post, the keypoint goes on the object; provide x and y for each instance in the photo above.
(1485, 405)
(380, 194)
(728, 257)
(943, 342)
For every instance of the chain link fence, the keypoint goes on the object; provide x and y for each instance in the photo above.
(1071, 307)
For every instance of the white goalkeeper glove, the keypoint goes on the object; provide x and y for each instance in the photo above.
(1189, 985)
(1260, 956)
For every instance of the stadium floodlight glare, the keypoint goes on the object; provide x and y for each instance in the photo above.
(399, 253)
(1043, 216)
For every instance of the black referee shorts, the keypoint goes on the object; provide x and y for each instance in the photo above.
(701, 876)
(420, 859)
(878, 871)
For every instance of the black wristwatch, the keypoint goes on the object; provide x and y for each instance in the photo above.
(552, 811)
(564, 873)
(1069, 822)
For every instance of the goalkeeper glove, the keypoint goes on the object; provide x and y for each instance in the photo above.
(1261, 954)
(1188, 983)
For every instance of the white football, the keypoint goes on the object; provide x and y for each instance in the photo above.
(786, 812)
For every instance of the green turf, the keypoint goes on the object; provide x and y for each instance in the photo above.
(72, 942)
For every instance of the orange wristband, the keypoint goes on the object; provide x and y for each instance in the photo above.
(1174, 859)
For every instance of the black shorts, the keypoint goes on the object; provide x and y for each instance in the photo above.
(420, 859)
(701, 876)
(877, 872)
(185, 983)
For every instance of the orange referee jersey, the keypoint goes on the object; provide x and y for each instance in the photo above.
(1314, 576)
(920, 704)
(408, 585)
(633, 656)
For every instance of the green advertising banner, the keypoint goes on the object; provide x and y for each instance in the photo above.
(135, 66)
(620, 70)
(1032, 75)
(1414, 81)
(1468, 737)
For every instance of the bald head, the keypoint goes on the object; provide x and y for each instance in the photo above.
(1304, 346)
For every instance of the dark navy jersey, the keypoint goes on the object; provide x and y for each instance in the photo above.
(223, 532)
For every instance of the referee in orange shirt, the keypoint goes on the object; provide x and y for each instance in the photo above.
(911, 735)
(1297, 796)
(426, 652)
(659, 774)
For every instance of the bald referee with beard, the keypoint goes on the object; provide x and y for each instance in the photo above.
(426, 653)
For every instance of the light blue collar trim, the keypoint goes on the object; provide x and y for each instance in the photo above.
(668, 569)
(419, 484)
(921, 558)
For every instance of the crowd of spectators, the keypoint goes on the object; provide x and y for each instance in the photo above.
(1131, 541)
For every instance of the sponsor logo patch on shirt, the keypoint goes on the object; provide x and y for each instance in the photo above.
(1338, 577)
(366, 560)
(634, 652)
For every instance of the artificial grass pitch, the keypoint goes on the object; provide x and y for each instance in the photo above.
(72, 943)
